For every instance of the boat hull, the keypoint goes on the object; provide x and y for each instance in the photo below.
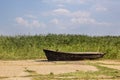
(62, 56)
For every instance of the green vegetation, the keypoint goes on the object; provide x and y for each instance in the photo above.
(30, 47)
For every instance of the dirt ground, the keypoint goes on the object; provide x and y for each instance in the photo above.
(16, 70)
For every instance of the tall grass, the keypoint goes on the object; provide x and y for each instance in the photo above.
(30, 47)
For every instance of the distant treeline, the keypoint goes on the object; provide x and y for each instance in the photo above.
(30, 47)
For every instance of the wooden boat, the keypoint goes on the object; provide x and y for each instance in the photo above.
(69, 56)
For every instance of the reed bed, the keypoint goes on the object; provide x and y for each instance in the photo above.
(30, 47)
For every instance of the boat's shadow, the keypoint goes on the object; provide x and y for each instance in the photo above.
(45, 61)
(42, 60)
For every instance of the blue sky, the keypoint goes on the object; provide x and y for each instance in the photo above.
(89, 17)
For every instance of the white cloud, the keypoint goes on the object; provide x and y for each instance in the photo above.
(27, 23)
(81, 17)
(55, 21)
(68, 13)
(58, 24)
(31, 16)
(76, 17)
(73, 1)
(83, 21)
(21, 21)
(88, 21)
(36, 23)
(99, 8)
(80, 14)
(61, 11)
(65, 1)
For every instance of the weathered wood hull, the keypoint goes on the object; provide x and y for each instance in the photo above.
(68, 56)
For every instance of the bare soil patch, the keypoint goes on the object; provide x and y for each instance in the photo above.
(58, 69)
(15, 70)
(18, 78)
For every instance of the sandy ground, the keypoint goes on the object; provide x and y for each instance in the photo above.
(15, 70)
(18, 78)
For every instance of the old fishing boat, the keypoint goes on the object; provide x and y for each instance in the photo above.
(69, 56)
